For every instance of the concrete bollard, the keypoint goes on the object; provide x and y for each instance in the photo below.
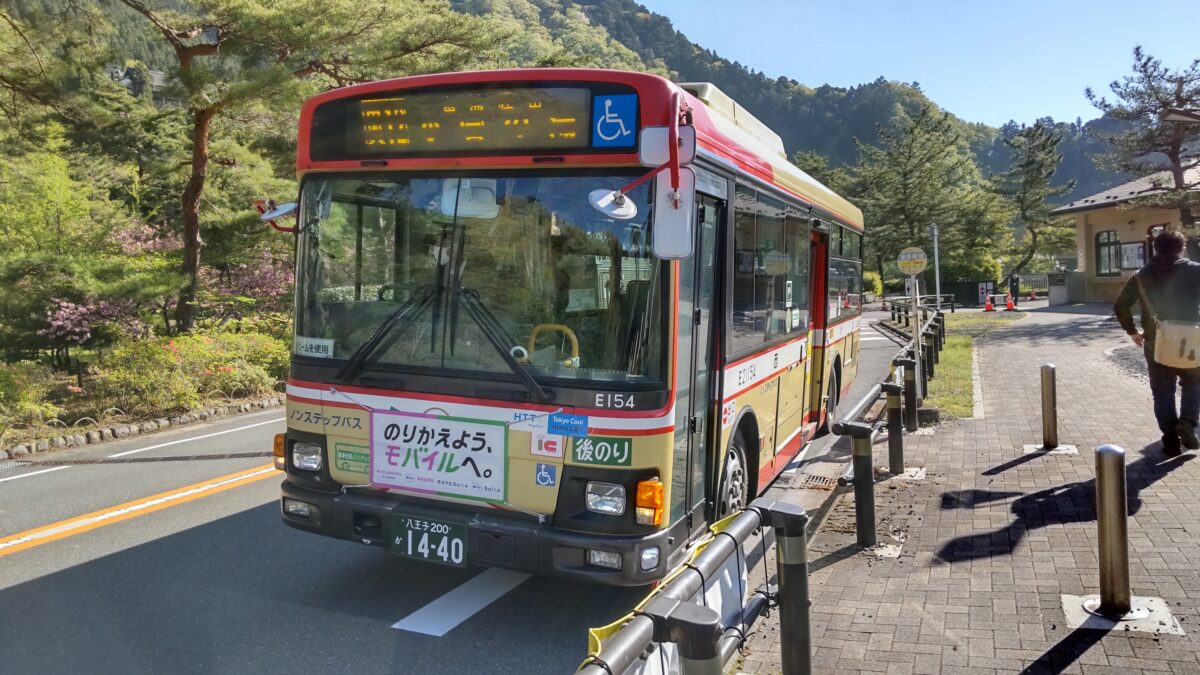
(895, 428)
(790, 522)
(1111, 521)
(1050, 408)
(864, 490)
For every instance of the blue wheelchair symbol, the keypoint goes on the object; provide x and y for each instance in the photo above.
(546, 475)
(614, 120)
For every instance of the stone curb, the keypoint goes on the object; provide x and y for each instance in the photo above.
(75, 439)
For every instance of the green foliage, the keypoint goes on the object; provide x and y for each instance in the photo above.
(146, 378)
(150, 377)
(24, 387)
(1148, 145)
(873, 283)
(1027, 185)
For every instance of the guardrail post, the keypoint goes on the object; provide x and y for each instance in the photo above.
(790, 522)
(910, 393)
(695, 629)
(1049, 407)
(895, 428)
(923, 384)
(1111, 510)
(864, 489)
(931, 353)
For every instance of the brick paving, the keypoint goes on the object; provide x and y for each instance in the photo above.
(992, 537)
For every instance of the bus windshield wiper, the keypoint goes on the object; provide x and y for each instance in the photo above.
(395, 323)
(496, 335)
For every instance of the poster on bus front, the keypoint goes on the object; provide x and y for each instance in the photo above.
(451, 456)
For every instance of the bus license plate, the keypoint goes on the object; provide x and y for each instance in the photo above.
(429, 540)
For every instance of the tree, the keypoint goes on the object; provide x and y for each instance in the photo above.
(231, 56)
(1028, 186)
(817, 165)
(922, 173)
(1149, 145)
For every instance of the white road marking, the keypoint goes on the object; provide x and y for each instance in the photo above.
(34, 473)
(442, 615)
(874, 337)
(195, 438)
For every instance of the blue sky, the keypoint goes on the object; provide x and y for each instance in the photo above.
(984, 61)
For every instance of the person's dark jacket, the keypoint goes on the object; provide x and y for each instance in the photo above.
(1174, 289)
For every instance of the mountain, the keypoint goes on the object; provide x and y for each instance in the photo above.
(625, 35)
(824, 119)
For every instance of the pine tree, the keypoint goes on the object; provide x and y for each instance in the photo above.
(1028, 186)
(231, 56)
(1150, 145)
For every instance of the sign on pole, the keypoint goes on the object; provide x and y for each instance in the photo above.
(912, 261)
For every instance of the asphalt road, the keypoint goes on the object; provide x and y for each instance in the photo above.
(166, 554)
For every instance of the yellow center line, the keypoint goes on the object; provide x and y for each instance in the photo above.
(131, 509)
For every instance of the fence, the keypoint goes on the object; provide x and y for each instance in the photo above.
(1038, 283)
(695, 622)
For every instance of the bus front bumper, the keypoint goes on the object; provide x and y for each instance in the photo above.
(493, 539)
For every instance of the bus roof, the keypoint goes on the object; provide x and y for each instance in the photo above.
(725, 131)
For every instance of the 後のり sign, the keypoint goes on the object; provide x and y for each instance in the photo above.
(912, 261)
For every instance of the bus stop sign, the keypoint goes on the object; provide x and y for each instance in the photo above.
(912, 261)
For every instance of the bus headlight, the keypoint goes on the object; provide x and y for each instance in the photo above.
(306, 456)
(606, 498)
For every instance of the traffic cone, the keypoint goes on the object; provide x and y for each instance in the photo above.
(1009, 305)
(987, 306)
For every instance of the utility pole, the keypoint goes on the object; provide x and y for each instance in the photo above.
(937, 267)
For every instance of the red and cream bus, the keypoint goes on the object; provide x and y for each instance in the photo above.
(553, 320)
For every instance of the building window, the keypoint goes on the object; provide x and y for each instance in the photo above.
(1108, 254)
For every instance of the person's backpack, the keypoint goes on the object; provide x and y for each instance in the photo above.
(1176, 343)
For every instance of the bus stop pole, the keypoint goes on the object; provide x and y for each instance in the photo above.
(916, 326)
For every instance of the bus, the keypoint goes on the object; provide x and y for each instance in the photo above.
(555, 320)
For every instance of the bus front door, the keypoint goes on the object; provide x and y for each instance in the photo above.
(693, 398)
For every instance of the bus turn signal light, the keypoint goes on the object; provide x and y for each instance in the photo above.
(280, 441)
(650, 502)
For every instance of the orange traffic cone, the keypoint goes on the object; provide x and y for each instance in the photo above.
(987, 306)
(1009, 305)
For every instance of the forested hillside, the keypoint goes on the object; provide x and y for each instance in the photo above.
(822, 119)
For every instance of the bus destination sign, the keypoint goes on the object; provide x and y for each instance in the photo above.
(475, 120)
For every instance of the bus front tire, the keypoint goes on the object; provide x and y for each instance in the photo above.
(735, 481)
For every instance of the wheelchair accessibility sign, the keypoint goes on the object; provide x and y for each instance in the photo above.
(546, 475)
(614, 121)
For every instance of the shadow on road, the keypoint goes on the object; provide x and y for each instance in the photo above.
(244, 593)
(1070, 503)
(1064, 654)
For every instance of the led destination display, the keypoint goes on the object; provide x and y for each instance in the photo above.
(483, 121)
(465, 121)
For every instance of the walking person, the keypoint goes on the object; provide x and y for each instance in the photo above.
(1168, 289)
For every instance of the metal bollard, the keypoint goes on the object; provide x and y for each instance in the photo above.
(895, 428)
(910, 393)
(923, 388)
(935, 347)
(864, 491)
(790, 522)
(1049, 407)
(695, 630)
(1111, 510)
(931, 357)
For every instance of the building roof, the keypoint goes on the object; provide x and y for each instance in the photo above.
(1141, 187)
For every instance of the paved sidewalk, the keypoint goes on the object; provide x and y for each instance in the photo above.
(992, 538)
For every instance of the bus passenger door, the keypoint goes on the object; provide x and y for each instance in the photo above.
(693, 397)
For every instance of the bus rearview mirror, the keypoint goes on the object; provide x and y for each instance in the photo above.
(654, 146)
(673, 231)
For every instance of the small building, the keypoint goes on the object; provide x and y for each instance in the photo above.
(1111, 237)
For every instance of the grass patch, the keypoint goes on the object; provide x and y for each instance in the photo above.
(976, 324)
(952, 389)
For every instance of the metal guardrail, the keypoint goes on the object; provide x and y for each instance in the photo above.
(903, 301)
(901, 389)
(672, 615)
(677, 613)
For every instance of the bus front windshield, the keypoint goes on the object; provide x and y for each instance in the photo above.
(497, 274)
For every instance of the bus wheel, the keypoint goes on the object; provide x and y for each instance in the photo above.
(831, 403)
(735, 483)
